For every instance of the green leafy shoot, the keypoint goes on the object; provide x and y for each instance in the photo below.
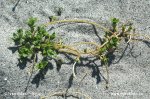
(33, 41)
(31, 23)
(114, 22)
(42, 64)
(17, 37)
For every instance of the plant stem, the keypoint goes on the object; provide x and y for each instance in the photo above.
(31, 72)
(145, 36)
(79, 43)
(78, 21)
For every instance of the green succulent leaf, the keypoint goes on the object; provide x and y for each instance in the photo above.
(24, 51)
(114, 20)
(129, 28)
(37, 46)
(20, 32)
(42, 64)
(51, 53)
(31, 23)
(102, 50)
(52, 36)
(18, 37)
(114, 41)
(42, 31)
(104, 59)
(114, 24)
(123, 28)
(48, 52)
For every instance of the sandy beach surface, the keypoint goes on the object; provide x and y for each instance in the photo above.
(129, 77)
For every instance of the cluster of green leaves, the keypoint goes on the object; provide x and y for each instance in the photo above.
(125, 29)
(112, 39)
(114, 22)
(112, 42)
(33, 41)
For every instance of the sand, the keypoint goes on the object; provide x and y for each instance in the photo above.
(129, 78)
